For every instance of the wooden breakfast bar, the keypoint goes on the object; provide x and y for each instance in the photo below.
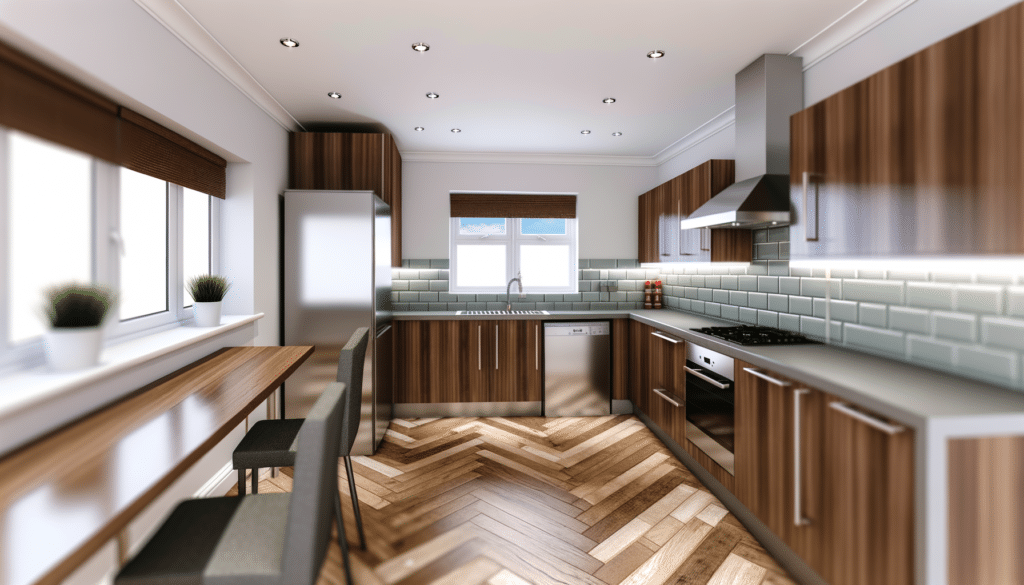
(66, 495)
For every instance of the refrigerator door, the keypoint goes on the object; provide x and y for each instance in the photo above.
(329, 290)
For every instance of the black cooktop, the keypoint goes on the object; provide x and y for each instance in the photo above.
(754, 335)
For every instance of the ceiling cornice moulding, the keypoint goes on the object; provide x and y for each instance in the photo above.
(857, 22)
(189, 31)
(529, 158)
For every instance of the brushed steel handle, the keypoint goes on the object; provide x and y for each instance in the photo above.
(705, 247)
(705, 378)
(798, 515)
(810, 209)
(495, 346)
(536, 347)
(766, 377)
(479, 349)
(661, 393)
(870, 420)
(666, 337)
(383, 331)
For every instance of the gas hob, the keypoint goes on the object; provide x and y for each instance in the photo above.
(754, 335)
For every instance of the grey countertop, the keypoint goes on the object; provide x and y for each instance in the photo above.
(913, 395)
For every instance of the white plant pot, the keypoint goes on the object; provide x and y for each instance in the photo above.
(73, 348)
(207, 314)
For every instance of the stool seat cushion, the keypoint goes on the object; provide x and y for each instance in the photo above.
(269, 443)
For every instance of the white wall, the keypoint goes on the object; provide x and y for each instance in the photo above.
(605, 204)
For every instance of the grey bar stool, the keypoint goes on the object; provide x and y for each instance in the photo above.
(271, 443)
(270, 539)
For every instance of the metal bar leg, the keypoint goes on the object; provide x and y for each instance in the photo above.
(343, 539)
(355, 501)
(241, 482)
(273, 413)
(255, 480)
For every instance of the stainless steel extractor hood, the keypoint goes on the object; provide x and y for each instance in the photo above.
(768, 92)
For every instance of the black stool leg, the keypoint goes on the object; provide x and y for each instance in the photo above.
(355, 501)
(241, 482)
(255, 480)
(343, 539)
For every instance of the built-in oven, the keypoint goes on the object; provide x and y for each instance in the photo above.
(710, 404)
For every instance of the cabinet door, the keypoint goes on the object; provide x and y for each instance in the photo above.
(515, 360)
(639, 365)
(778, 456)
(477, 345)
(647, 228)
(868, 498)
(668, 384)
(430, 357)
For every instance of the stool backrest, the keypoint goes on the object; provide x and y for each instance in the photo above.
(350, 372)
(314, 485)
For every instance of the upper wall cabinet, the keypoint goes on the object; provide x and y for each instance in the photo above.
(925, 157)
(662, 208)
(347, 161)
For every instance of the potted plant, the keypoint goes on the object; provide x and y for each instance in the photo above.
(207, 291)
(75, 313)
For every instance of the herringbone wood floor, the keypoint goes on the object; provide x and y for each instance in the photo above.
(594, 501)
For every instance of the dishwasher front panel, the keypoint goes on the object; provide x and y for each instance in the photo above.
(577, 369)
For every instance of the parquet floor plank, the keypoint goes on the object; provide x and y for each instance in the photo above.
(537, 501)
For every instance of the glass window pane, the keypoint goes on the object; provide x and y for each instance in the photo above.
(50, 225)
(544, 265)
(196, 247)
(550, 226)
(144, 229)
(482, 225)
(478, 266)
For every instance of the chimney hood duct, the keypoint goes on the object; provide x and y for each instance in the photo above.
(768, 92)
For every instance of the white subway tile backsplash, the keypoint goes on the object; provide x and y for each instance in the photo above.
(815, 287)
(979, 298)
(730, 312)
(814, 327)
(869, 274)
(731, 282)
(713, 281)
(952, 277)
(757, 300)
(930, 295)
(738, 298)
(873, 291)
(799, 271)
(800, 305)
(697, 280)
(720, 296)
(778, 267)
(713, 309)
(908, 319)
(843, 311)
(872, 315)
(1002, 332)
(438, 285)
(748, 315)
(842, 273)
(691, 293)
(959, 326)
(999, 367)
(768, 284)
(789, 322)
(778, 303)
(1015, 301)
(789, 285)
(931, 351)
(768, 319)
(874, 339)
(697, 306)
(748, 283)
(705, 294)
(906, 275)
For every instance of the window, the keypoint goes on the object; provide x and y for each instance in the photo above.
(487, 252)
(72, 217)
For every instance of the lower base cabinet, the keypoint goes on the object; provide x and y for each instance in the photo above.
(833, 481)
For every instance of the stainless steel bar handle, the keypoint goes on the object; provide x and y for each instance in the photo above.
(536, 347)
(705, 378)
(870, 420)
(383, 331)
(705, 247)
(766, 377)
(810, 209)
(495, 346)
(479, 349)
(798, 514)
(661, 393)
(666, 337)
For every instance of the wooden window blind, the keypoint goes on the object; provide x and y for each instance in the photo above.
(500, 205)
(38, 100)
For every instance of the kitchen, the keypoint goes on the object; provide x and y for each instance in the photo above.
(164, 79)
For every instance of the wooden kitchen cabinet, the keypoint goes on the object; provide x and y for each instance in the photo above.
(922, 158)
(661, 209)
(639, 366)
(469, 361)
(351, 161)
(667, 384)
(837, 488)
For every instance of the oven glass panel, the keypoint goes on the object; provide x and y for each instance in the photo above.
(711, 409)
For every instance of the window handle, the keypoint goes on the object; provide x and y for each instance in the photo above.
(115, 236)
(542, 238)
(485, 236)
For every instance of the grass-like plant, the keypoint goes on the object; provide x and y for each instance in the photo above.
(75, 305)
(208, 288)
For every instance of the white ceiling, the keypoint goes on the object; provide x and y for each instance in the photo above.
(516, 77)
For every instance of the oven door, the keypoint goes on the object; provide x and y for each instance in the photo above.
(710, 414)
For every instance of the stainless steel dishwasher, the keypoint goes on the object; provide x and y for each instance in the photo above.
(577, 368)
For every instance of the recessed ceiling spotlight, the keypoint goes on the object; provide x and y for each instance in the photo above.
(334, 94)
(420, 47)
(608, 100)
(585, 132)
(419, 128)
(290, 43)
(656, 54)
(456, 130)
(433, 95)
(616, 133)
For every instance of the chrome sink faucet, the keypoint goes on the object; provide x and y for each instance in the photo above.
(508, 290)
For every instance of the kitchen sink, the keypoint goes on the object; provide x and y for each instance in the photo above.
(502, 313)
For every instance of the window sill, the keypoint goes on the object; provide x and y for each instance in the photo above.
(36, 401)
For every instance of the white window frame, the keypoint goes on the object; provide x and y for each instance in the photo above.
(106, 250)
(513, 239)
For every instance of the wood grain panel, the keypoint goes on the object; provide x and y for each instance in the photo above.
(867, 503)
(647, 229)
(639, 365)
(429, 357)
(392, 195)
(986, 515)
(717, 471)
(518, 375)
(109, 465)
(732, 245)
(620, 359)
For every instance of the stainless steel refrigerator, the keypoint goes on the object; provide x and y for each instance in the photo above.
(336, 277)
